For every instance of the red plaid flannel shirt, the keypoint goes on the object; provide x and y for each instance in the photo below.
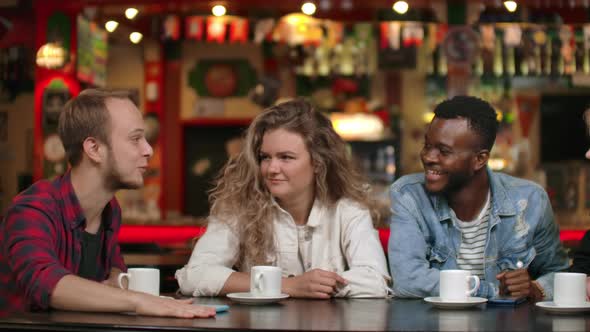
(40, 242)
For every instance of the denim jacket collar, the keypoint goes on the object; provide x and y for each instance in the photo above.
(500, 201)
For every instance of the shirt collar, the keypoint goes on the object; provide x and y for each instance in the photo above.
(315, 215)
(500, 201)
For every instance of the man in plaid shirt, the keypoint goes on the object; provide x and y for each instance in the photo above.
(58, 242)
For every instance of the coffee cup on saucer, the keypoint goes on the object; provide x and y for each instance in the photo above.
(569, 289)
(454, 285)
(265, 281)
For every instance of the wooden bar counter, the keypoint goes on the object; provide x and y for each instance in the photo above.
(315, 315)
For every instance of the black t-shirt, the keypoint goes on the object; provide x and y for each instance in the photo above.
(582, 256)
(90, 253)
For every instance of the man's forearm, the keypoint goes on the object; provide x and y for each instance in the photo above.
(75, 293)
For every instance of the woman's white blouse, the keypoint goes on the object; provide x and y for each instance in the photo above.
(340, 239)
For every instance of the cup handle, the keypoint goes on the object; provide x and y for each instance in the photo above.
(258, 282)
(120, 279)
(475, 287)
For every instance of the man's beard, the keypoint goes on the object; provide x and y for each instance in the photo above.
(113, 180)
(457, 181)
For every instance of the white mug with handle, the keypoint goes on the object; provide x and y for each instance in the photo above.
(265, 281)
(454, 285)
(146, 280)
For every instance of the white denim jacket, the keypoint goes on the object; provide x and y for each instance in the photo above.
(340, 239)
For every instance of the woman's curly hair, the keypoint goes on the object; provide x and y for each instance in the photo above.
(241, 196)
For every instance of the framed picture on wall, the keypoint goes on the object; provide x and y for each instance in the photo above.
(54, 101)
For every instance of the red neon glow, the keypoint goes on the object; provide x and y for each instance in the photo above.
(179, 234)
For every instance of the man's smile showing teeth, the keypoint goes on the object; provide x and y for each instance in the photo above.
(433, 175)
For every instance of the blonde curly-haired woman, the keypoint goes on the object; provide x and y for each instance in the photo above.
(293, 199)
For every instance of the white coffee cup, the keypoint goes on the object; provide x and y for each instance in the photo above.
(146, 280)
(265, 281)
(569, 289)
(454, 285)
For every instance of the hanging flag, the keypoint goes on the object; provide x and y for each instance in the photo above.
(216, 29)
(568, 45)
(390, 35)
(412, 34)
(512, 35)
(171, 28)
(384, 29)
(335, 32)
(238, 30)
(194, 27)
(262, 29)
(441, 33)
(488, 36)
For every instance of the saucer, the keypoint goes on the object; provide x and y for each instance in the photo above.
(249, 298)
(439, 303)
(552, 307)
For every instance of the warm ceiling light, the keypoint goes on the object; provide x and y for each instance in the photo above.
(218, 10)
(510, 6)
(111, 26)
(401, 7)
(135, 37)
(130, 13)
(357, 126)
(51, 55)
(308, 8)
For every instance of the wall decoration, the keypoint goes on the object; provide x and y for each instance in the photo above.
(238, 30)
(216, 29)
(171, 28)
(92, 53)
(54, 100)
(194, 27)
(222, 78)
(210, 107)
(461, 45)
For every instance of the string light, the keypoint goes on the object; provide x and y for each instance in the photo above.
(51, 55)
(131, 12)
(111, 26)
(510, 6)
(218, 10)
(308, 8)
(135, 37)
(401, 7)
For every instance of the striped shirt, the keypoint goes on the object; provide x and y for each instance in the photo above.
(473, 241)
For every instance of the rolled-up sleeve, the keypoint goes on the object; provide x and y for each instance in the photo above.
(29, 247)
(211, 261)
(367, 275)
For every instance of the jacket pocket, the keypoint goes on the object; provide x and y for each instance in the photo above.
(438, 256)
(520, 252)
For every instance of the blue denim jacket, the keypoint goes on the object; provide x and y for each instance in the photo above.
(424, 239)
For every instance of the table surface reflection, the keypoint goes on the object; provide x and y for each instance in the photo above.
(316, 315)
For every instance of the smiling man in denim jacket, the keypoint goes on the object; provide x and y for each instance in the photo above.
(458, 214)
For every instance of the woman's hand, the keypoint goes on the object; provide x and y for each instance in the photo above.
(316, 283)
